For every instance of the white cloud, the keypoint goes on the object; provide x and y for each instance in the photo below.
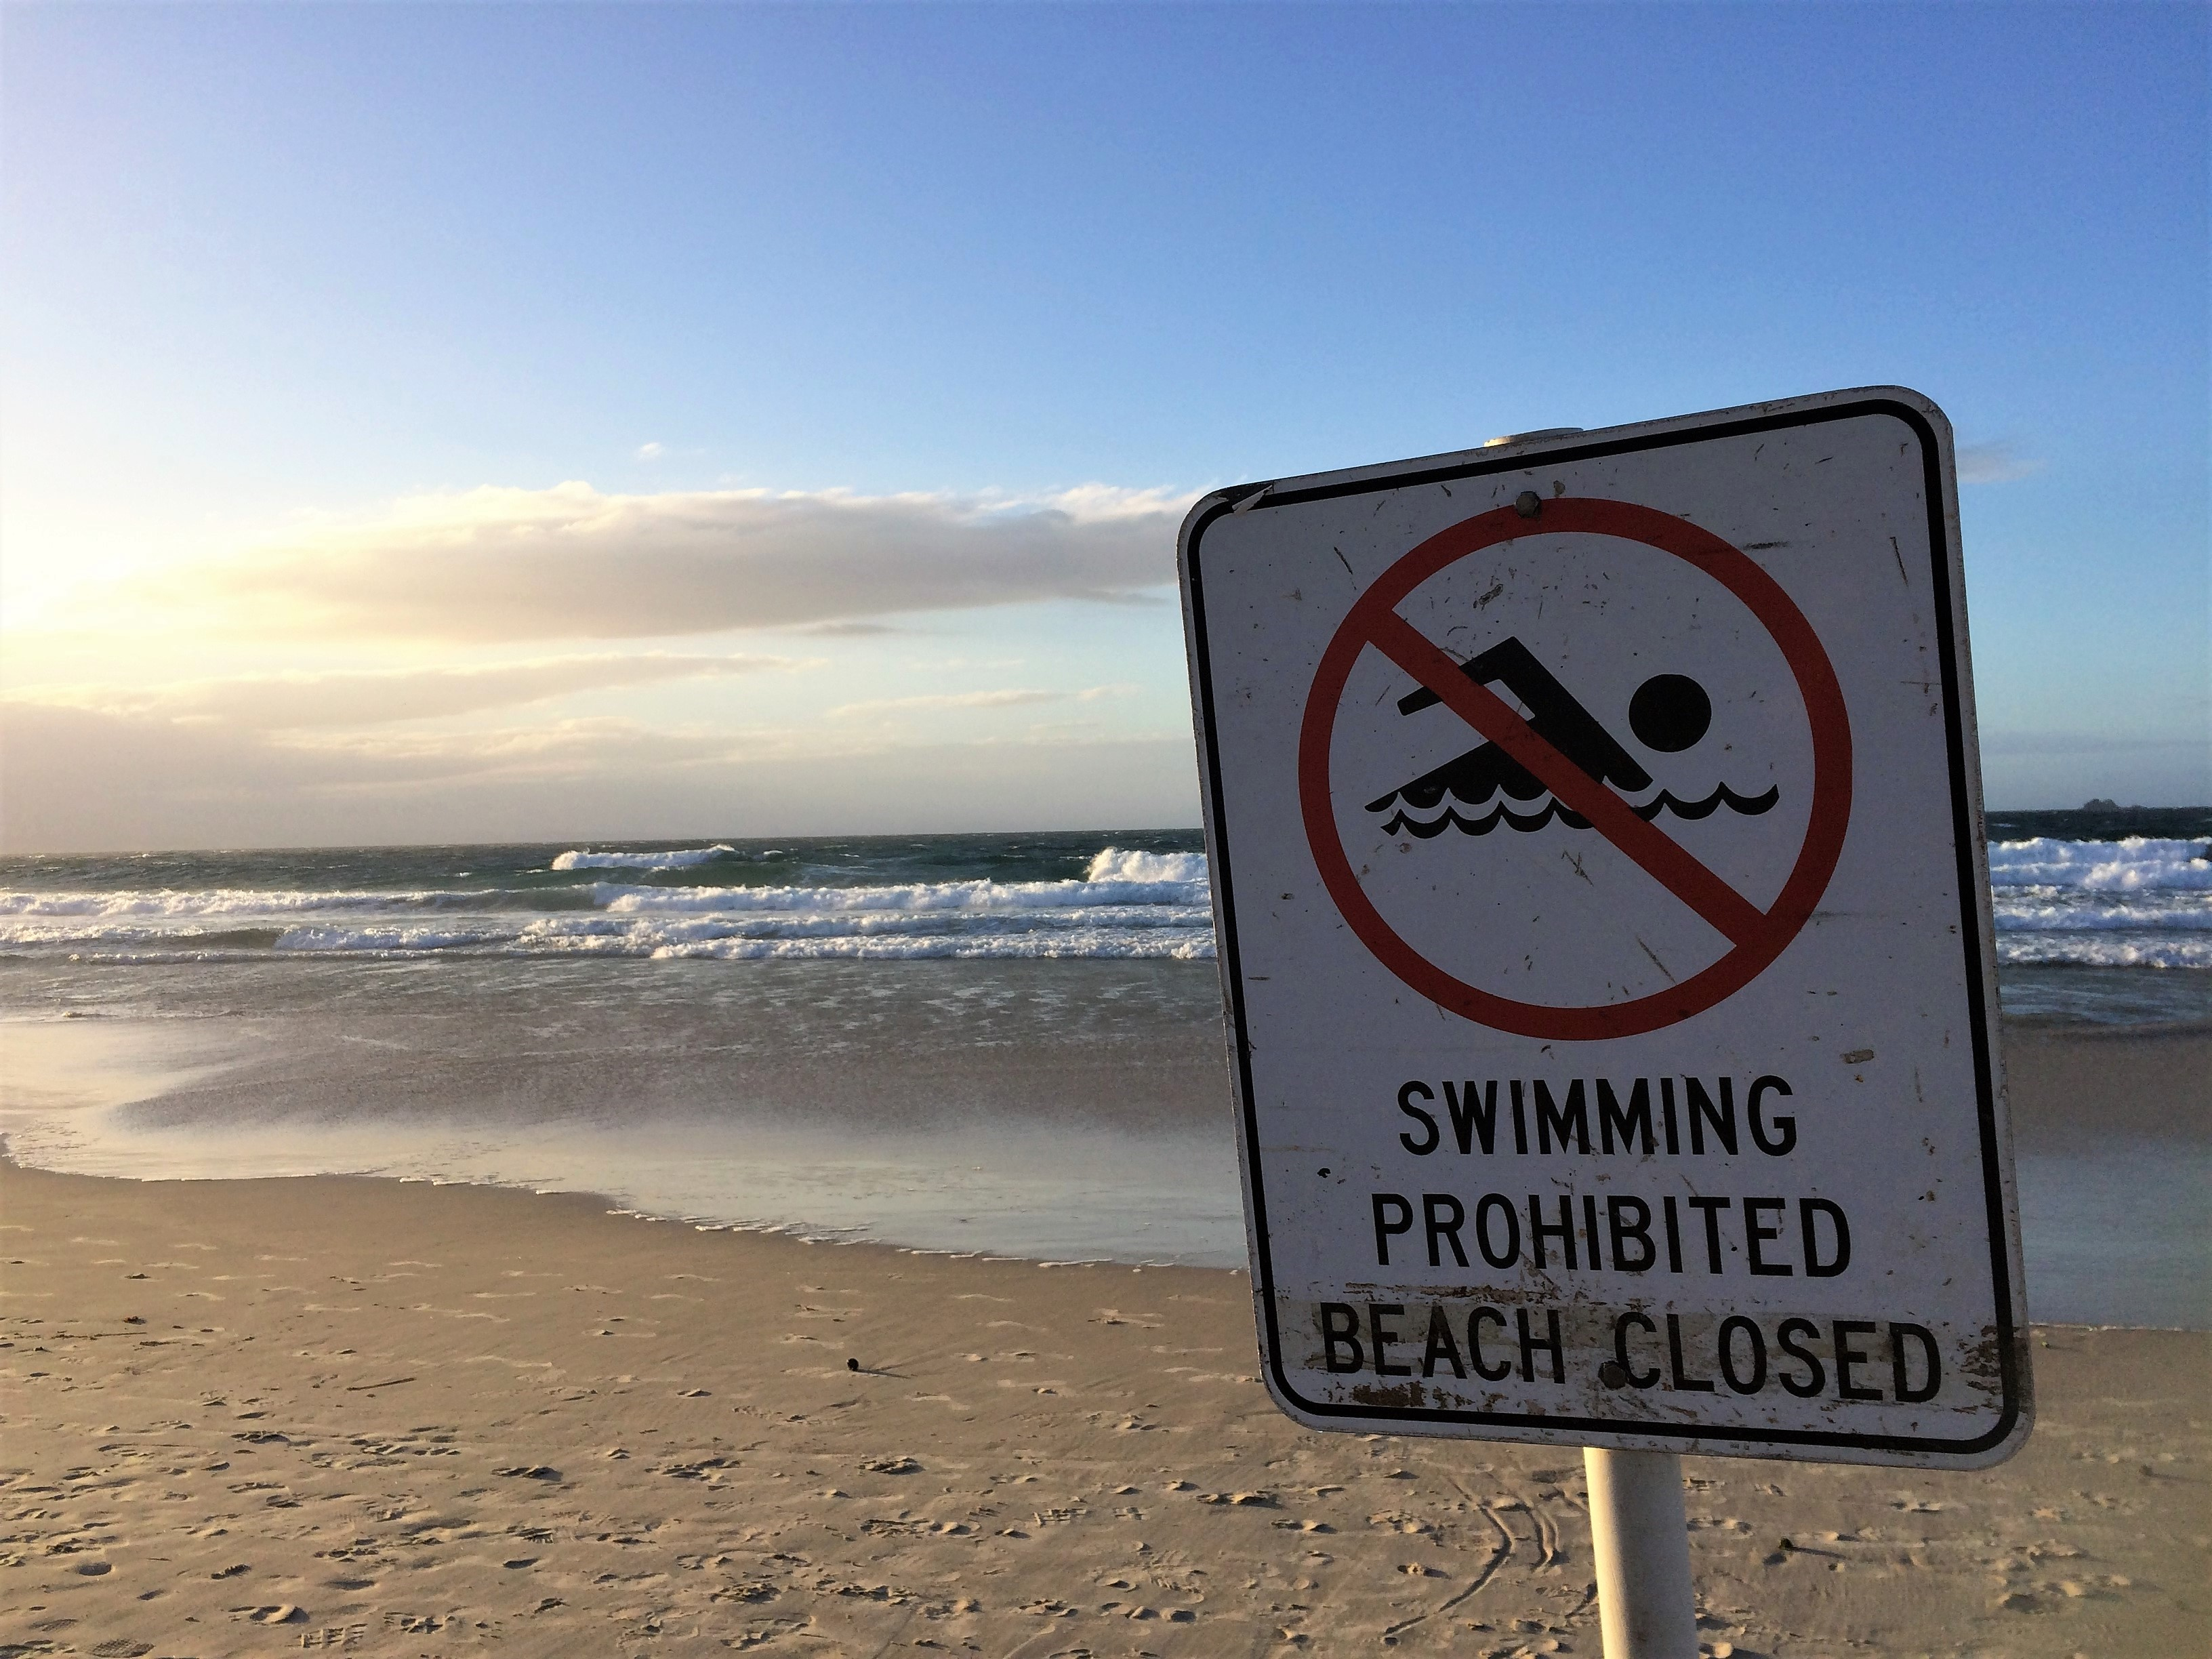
(1993, 463)
(651, 451)
(293, 701)
(571, 563)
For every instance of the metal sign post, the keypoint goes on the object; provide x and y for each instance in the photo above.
(1647, 1604)
(1594, 829)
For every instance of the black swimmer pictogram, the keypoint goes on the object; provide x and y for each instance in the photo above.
(1670, 713)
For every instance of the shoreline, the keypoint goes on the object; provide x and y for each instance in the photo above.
(249, 1415)
(969, 1150)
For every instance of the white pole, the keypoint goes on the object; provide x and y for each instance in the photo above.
(1646, 1606)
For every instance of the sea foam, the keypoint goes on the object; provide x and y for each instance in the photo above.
(2145, 901)
(165, 902)
(907, 896)
(2140, 902)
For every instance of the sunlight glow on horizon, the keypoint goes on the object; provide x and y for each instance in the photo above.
(663, 421)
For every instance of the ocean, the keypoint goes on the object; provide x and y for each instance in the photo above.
(1008, 1043)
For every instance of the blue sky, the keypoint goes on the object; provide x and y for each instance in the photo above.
(313, 289)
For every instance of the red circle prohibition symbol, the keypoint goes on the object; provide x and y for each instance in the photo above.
(1755, 937)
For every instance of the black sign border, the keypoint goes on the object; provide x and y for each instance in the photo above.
(1261, 495)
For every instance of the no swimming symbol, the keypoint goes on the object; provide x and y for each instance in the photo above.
(1670, 713)
(1561, 749)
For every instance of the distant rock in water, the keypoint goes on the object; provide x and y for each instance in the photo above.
(2100, 805)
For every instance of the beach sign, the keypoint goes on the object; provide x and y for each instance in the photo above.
(1594, 829)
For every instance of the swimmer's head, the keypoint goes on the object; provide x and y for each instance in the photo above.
(1670, 713)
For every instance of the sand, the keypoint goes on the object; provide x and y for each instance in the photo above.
(259, 1417)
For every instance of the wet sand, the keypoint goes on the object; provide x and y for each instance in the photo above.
(2073, 1087)
(945, 1119)
(254, 1417)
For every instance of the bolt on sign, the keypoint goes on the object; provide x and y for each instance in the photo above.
(1595, 824)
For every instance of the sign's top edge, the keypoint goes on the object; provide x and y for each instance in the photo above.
(1501, 456)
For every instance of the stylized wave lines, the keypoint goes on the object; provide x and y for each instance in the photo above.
(1749, 805)
(1553, 812)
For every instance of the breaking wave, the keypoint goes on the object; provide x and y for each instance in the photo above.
(2139, 864)
(1114, 865)
(681, 858)
(1127, 903)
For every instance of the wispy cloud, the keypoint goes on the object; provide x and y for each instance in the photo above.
(937, 701)
(651, 451)
(849, 630)
(87, 778)
(940, 702)
(1993, 463)
(293, 701)
(571, 563)
(83, 780)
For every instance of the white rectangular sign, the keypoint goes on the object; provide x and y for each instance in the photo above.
(1595, 827)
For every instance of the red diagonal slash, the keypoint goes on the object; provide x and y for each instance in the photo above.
(1735, 916)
